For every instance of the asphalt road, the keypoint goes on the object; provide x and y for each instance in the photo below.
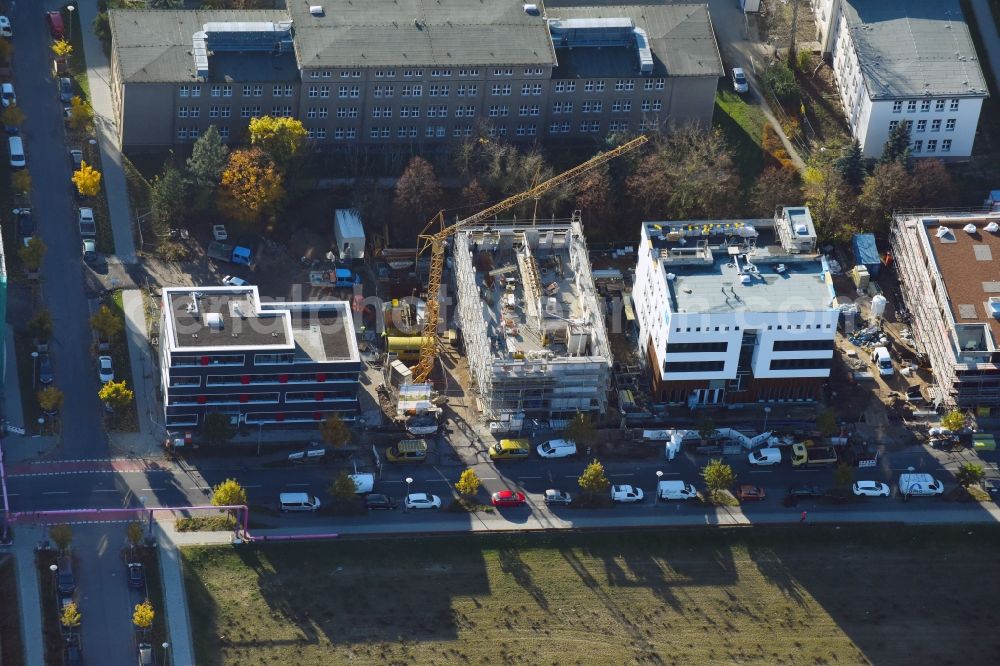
(63, 281)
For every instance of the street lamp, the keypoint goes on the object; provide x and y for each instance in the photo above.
(166, 646)
(767, 412)
(41, 425)
(260, 429)
(659, 475)
(54, 568)
(409, 480)
(149, 536)
(71, 9)
(34, 365)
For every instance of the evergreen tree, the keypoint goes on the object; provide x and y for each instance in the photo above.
(851, 166)
(897, 146)
(208, 160)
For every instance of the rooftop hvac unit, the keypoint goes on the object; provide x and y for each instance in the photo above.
(942, 231)
(970, 228)
(531, 10)
(745, 279)
(992, 227)
(316, 10)
(213, 320)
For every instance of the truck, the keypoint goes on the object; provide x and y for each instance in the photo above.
(349, 234)
(234, 254)
(813, 456)
(85, 218)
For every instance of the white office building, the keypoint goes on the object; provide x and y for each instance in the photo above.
(904, 61)
(735, 311)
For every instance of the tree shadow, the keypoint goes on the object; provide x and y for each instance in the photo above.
(512, 564)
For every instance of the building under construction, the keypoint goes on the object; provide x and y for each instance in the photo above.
(533, 328)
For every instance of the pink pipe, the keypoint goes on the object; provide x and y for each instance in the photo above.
(295, 537)
(242, 508)
(3, 484)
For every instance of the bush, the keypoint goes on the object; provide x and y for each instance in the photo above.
(781, 80)
(803, 61)
(224, 523)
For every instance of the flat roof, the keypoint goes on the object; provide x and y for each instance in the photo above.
(417, 33)
(967, 266)
(681, 39)
(909, 48)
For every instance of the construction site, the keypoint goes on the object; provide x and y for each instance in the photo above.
(531, 321)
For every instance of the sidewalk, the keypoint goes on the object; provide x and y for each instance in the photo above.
(148, 441)
(28, 594)
(991, 40)
(99, 75)
(175, 596)
(18, 448)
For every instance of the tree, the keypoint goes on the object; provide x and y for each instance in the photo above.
(953, 420)
(6, 48)
(107, 323)
(32, 254)
(781, 80)
(134, 533)
(116, 395)
(143, 615)
(581, 430)
(718, 475)
(595, 196)
(87, 180)
(473, 195)
(594, 480)
(803, 61)
(217, 428)
(12, 116)
(335, 431)
(280, 138)
(252, 186)
(690, 176)
(706, 427)
(229, 493)
(61, 535)
(774, 188)
(50, 399)
(80, 113)
(851, 166)
(343, 487)
(970, 473)
(416, 197)
(70, 617)
(829, 198)
(932, 183)
(826, 423)
(897, 146)
(208, 159)
(468, 484)
(843, 476)
(168, 198)
(890, 186)
(21, 181)
(62, 49)
(40, 326)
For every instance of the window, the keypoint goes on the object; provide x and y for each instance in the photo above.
(954, 105)
(244, 112)
(216, 91)
(311, 112)
(182, 420)
(468, 72)
(618, 126)
(616, 106)
(225, 113)
(247, 90)
(440, 72)
(588, 86)
(897, 106)
(624, 84)
(651, 84)
(184, 91)
(276, 91)
(931, 145)
(413, 91)
(571, 86)
(893, 124)
(352, 112)
(195, 111)
(559, 87)
(533, 71)
(373, 133)
(185, 381)
(213, 112)
(413, 73)
(327, 74)
(182, 112)
(352, 133)
(503, 72)
(949, 125)
(921, 125)
(802, 345)
(645, 105)
(918, 146)
(227, 91)
(288, 90)
(324, 92)
(801, 363)
(182, 133)
(338, 134)
(692, 347)
(436, 90)
(341, 111)
(936, 125)
(911, 105)
(523, 110)
(925, 105)
(465, 111)
(258, 90)
(345, 74)
(313, 91)
(939, 105)
(385, 73)
(342, 92)
(657, 104)
(695, 366)
(946, 146)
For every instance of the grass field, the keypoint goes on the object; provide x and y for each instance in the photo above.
(811, 595)
(743, 125)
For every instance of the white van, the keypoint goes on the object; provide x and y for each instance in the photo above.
(364, 483)
(297, 502)
(919, 485)
(675, 490)
(882, 361)
(16, 149)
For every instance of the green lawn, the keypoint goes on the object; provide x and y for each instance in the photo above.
(743, 126)
(77, 60)
(798, 595)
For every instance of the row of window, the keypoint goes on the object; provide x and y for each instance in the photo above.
(802, 345)
(925, 105)
(698, 329)
(932, 146)
(253, 419)
(419, 73)
(249, 90)
(245, 112)
(250, 398)
(921, 125)
(692, 347)
(194, 381)
(801, 363)
(694, 366)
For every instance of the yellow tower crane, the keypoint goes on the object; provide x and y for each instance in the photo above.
(435, 242)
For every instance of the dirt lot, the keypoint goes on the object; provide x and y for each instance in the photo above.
(778, 596)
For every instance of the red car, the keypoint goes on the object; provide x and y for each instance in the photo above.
(55, 22)
(747, 492)
(508, 498)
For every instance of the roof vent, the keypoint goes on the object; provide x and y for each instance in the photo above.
(970, 228)
(531, 10)
(992, 227)
(316, 10)
(745, 279)
(671, 277)
(994, 305)
(213, 320)
(942, 231)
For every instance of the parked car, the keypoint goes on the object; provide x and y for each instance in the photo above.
(65, 580)
(7, 95)
(804, 490)
(65, 89)
(740, 84)
(766, 456)
(363, 482)
(510, 449)
(626, 494)
(72, 654)
(6, 30)
(45, 372)
(233, 281)
(508, 498)
(675, 489)
(105, 369)
(557, 448)
(136, 575)
(922, 485)
(553, 496)
(750, 493)
(407, 451)
(375, 502)
(145, 654)
(871, 489)
(25, 224)
(75, 158)
(55, 22)
(422, 501)
(882, 361)
(89, 251)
